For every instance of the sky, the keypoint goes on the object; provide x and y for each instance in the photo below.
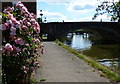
(69, 10)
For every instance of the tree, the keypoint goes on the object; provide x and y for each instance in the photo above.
(111, 8)
(39, 20)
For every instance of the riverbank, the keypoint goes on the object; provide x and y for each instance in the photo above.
(59, 65)
(104, 71)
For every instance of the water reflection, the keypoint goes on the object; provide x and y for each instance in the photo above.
(80, 42)
(106, 54)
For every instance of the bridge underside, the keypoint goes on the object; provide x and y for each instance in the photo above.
(108, 30)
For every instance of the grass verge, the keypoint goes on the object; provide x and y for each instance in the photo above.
(104, 71)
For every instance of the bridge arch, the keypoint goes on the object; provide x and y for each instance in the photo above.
(57, 30)
(102, 32)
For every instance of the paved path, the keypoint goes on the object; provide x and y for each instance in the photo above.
(61, 66)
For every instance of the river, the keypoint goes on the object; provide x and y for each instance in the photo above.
(106, 54)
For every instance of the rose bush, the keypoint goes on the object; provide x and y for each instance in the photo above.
(21, 45)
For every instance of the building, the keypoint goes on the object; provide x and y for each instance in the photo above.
(30, 4)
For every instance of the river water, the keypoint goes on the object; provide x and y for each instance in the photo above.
(106, 54)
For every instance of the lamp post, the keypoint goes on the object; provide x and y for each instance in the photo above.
(45, 20)
(41, 14)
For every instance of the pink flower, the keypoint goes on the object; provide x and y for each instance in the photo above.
(10, 15)
(37, 29)
(42, 51)
(28, 53)
(25, 71)
(36, 24)
(36, 62)
(9, 47)
(42, 45)
(33, 20)
(30, 16)
(38, 65)
(37, 40)
(8, 53)
(13, 31)
(26, 15)
(24, 67)
(10, 9)
(27, 44)
(9, 21)
(19, 41)
(28, 24)
(5, 11)
(19, 4)
(21, 21)
(24, 27)
(24, 9)
(18, 49)
(14, 20)
(5, 26)
(17, 25)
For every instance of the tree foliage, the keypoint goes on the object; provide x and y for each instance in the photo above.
(111, 8)
(39, 20)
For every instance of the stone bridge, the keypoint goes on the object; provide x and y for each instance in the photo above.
(56, 30)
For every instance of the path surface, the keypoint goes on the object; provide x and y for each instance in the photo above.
(59, 65)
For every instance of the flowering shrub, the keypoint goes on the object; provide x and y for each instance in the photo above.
(21, 45)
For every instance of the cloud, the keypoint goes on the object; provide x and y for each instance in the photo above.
(58, 17)
(78, 7)
(57, 1)
(67, 2)
(53, 16)
(79, 19)
(104, 18)
(82, 6)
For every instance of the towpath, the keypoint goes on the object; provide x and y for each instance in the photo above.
(58, 65)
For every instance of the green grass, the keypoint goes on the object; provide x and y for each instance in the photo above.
(42, 79)
(33, 80)
(104, 70)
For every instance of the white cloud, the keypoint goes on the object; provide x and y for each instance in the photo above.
(104, 17)
(57, 1)
(82, 6)
(89, 18)
(74, 6)
(80, 19)
(53, 16)
(67, 2)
